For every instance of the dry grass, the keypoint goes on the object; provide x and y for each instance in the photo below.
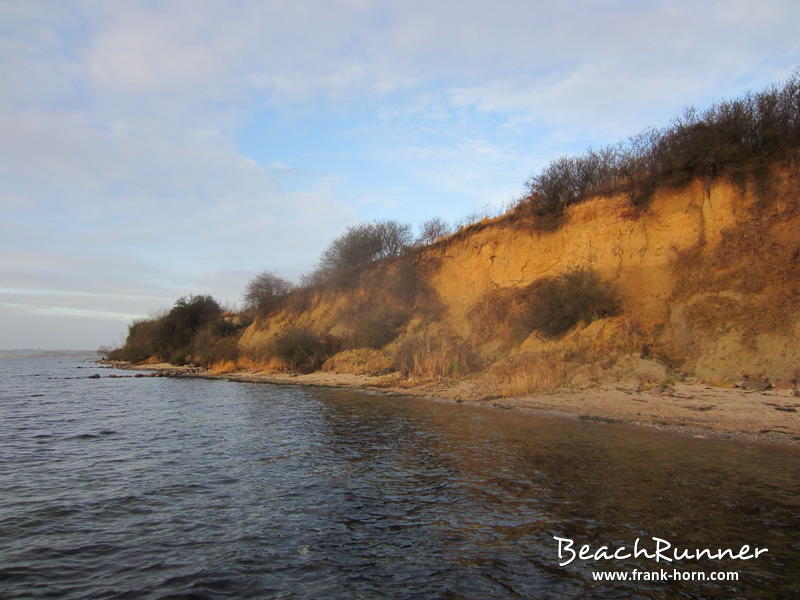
(371, 323)
(433, 354)
(528, 373)
(262, 363)
(361, 361)
(223, 366)
(500, 315)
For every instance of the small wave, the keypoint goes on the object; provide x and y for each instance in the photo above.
(84, 436)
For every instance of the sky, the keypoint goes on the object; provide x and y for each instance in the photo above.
(154, 149)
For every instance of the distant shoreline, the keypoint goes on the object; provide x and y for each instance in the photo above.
(689, 409)
(36, 353)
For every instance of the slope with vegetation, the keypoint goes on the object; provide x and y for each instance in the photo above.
(672, 254)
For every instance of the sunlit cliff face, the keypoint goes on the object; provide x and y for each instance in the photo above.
(704, 274)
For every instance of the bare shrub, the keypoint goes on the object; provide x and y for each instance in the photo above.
(501, 314)
(756, 127)
(358, 247)
(299, 299)
(300, 349)
(265, 292)
(216, 342)
(432, 230)
(398, 282)
(376, 329)
(558, 304)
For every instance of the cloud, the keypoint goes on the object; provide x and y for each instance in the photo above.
(123, 165)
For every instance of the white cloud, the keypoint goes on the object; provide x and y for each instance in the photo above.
(119, 157)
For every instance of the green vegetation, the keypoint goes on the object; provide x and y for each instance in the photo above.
(193, 331)
(761, 127)
(177, 328)
(140, 343)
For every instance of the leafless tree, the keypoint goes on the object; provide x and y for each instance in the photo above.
(432, 230)
(265, 291)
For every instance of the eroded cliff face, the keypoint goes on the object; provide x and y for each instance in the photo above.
(708, 276)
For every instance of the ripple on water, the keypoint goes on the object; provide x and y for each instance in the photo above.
(158, 488)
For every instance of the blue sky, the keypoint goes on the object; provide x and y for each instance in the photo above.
(156, 149)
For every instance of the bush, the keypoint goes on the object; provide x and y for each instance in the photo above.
(763, 126)
(501, 314)
(376, 329)
(431, 231)
(435, 354)
(265, 292)
(558, 304)
(358, 247)
(177, 328)
(301, 349)
(171, 337)
(215, 342)
(140, 343)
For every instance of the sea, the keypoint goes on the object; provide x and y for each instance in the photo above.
(136, 487)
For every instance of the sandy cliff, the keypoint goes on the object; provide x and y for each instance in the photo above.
(708, 277)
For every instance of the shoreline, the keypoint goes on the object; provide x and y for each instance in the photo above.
(695, 410)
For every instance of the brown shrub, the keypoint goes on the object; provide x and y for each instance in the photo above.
(300, 349)
(215, 343)
(501, 314)
(376, 329)
(557, 304)
(435, 354)
(761, 127)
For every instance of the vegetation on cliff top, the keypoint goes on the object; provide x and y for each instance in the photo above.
(763, 126)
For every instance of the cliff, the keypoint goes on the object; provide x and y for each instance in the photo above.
(707, 277)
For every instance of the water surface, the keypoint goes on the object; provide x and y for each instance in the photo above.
(186, 488)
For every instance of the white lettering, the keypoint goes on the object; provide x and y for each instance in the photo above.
(620, 554)
(664, 551)
(568, 548)
(661, 547)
